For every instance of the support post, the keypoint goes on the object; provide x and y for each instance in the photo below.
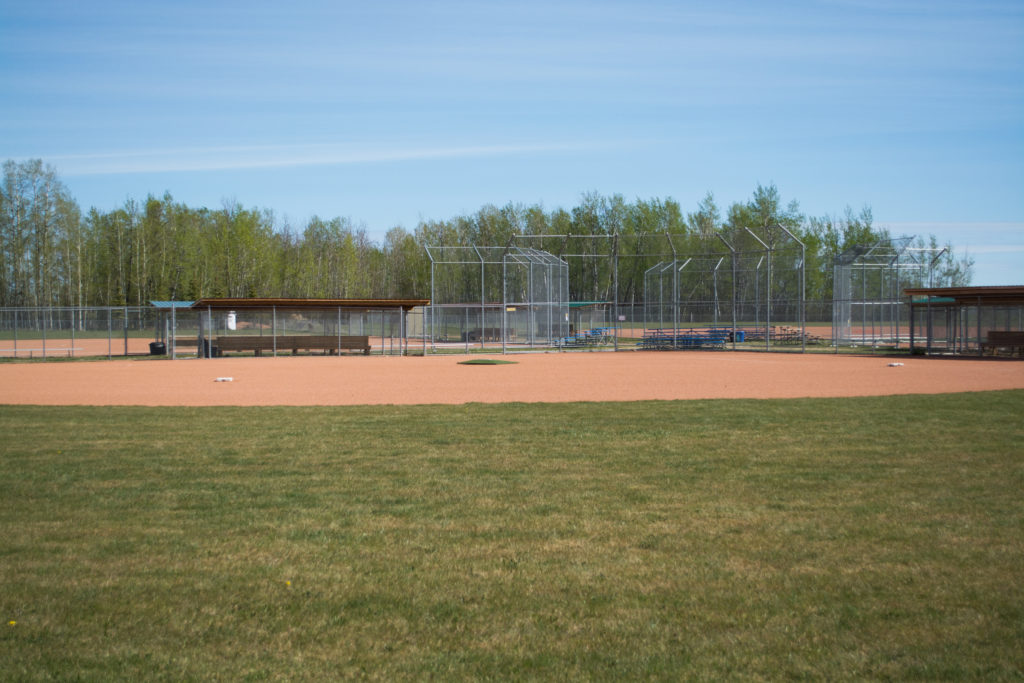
(768, 291)
(483, 300)
(504, 304)
(615, 293)
(980, 347)
(912, 319)
(732, 258)
(803, 260)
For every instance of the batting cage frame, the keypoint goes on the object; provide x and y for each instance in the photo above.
(751, 294)
(485, 295)
(868, 307)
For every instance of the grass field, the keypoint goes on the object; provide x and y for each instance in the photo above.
(847, 538)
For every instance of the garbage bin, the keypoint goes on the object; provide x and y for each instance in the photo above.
(157, 349)
(740, 334)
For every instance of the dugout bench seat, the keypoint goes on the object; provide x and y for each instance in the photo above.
(258, 344)
(997, 339)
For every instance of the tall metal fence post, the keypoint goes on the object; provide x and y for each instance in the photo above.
(615, 289)
(433, 298)
(483, 299)
(504, 303)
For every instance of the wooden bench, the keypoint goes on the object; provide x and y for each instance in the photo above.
(997, 339)
(258, 344)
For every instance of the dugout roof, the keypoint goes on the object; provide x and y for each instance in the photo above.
(168, 305)
(967, 296)
(235, 304)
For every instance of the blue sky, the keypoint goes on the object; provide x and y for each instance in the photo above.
(392, 112)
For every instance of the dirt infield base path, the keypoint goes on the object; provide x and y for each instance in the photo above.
(533, 378)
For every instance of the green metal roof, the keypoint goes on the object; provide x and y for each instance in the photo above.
(933, 299)
(171, 304)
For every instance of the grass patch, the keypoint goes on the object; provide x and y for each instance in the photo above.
(840, 538)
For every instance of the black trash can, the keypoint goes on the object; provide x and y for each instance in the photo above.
(157, 349)
(209, 350)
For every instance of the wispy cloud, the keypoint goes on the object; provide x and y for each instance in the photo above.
(280, 156)
(1001, 234)
(997, 249)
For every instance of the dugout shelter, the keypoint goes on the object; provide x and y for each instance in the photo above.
(967, 320)
(286, 325)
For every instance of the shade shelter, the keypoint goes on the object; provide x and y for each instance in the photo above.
(966, 320)
(279, 325)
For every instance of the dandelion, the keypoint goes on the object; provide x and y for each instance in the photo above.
(12, 622)
(287, 583)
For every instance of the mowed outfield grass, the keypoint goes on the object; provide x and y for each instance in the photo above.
(834, 539)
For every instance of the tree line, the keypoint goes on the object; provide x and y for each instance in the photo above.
(53, 254)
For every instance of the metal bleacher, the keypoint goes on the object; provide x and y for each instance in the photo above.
(597, 336)
(668, 340)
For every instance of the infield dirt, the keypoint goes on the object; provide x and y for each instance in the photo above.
(543, 377)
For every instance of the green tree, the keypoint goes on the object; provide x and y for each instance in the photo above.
(707, 219)
(37, 217)
(408, 266)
